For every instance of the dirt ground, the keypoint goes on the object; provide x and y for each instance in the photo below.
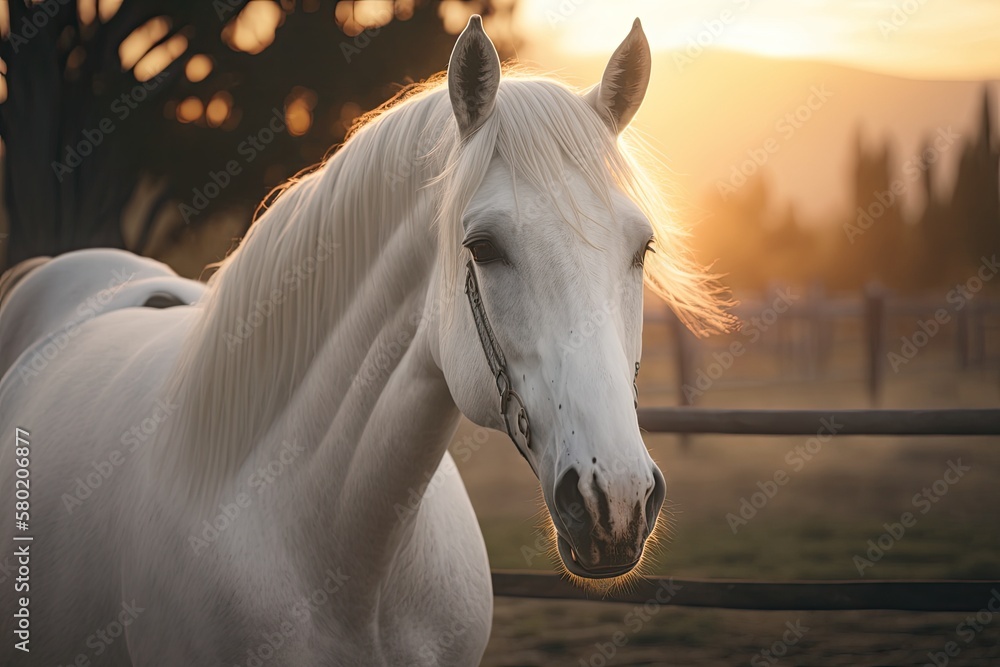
(813, 528)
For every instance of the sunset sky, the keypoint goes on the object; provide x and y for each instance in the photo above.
(724, 71)
(953, 39)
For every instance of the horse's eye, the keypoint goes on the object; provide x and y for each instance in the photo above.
(483, 251)
(640, 257)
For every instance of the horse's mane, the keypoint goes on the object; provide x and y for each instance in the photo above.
(276, 298)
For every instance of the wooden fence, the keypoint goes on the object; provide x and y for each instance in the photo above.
(921, 595)
(817, 314)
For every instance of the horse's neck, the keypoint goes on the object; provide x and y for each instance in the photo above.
(328, 263)
(342, 368)
(375, 415)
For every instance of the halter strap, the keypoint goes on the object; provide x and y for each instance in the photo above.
(521, 435)
(515, 415)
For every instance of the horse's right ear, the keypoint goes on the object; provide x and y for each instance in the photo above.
(473, 77)
(618, 96)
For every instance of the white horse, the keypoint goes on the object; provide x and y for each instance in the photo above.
(263, 479)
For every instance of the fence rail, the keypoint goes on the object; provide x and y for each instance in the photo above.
(960, 422)
(808, 325)
(901, 595)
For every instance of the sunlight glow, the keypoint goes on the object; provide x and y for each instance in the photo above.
(957, 39)
(298, 117)
(218, 109)
(455, 15)
(108, 8)
(298, 110)
(189, 110)
(139, 41)
(160, 57)
(356, 16)
(86, 10)
(254, 28)
(198, 67)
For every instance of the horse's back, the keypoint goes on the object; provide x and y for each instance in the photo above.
(86, 467)
(40, 297)
(74, 346)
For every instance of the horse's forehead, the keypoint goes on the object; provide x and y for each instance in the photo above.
(533, 206)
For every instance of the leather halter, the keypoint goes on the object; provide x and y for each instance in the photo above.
(498, 367)
(515, 415)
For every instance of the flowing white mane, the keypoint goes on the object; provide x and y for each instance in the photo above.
(295, 277)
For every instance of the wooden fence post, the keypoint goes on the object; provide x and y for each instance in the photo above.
(962, 338)
(682, 358)
(874, 333)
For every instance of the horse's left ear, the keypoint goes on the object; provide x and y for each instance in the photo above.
(473, 77)
(618, 96)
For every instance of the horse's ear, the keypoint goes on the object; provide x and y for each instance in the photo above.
(618, 96)
(473, 77)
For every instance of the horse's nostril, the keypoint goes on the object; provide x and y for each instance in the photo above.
(569, 501)
(654, 499)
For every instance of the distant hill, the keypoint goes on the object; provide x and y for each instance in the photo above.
(706, 115)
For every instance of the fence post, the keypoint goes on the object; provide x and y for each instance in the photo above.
(817, 329)
(682, 360)
(681, 357)
(874, 330)
(962, 338)
(976, 318)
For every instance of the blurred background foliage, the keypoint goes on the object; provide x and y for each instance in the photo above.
(119, 119)
(151, 99)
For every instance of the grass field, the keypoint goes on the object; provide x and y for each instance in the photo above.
(812, 528)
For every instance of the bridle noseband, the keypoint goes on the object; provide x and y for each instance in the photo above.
(515, 415)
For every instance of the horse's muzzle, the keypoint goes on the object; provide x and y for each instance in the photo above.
(588, 544)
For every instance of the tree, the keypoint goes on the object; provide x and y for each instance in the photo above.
(88, 112)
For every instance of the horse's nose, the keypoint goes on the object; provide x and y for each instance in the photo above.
(654, 498)
(570, 503)
(592, 542)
